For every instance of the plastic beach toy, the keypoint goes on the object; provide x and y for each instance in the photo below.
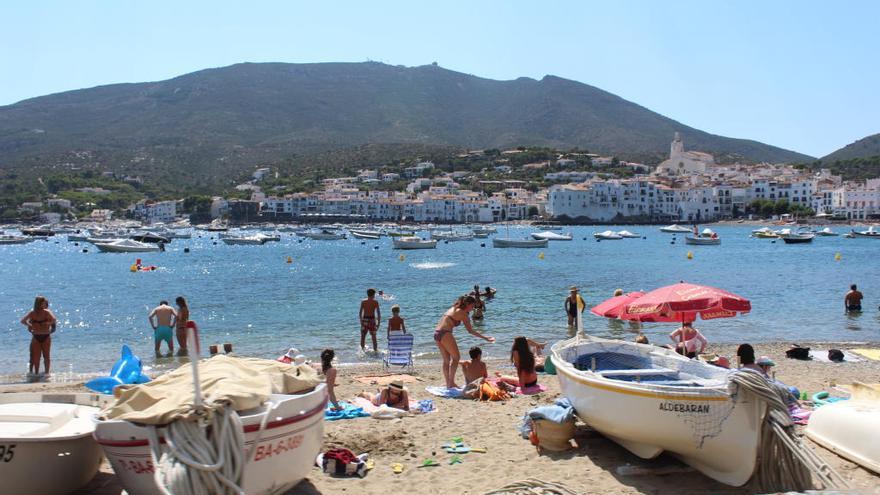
(127, 370)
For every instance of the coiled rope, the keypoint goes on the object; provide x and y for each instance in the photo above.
(533, 486)
(784, 463)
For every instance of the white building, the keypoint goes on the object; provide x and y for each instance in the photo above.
(390, 177)
(153, 212)
(58, 202)
(260, 173)
(681, 162)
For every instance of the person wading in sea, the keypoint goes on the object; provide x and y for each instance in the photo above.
(369, 316)
(165, 317)
(852, 302)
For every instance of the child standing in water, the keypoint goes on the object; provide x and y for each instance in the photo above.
(395, 323)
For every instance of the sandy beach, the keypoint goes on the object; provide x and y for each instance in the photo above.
(590, 467)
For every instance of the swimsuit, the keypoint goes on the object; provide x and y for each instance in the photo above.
(440, 332)
(368, 324)
(854, 307)
(163, 332)
(41, 337)
(530, 384)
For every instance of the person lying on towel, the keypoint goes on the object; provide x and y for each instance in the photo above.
(394, 395)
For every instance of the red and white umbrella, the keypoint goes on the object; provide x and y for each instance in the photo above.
(612, 308)
(683, 302)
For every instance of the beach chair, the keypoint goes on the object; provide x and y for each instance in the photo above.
(400, 351)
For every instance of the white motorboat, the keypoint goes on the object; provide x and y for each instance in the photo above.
(608, 235)
(849, 427)
(765, 233)
(46, 442)
(412, 242)
(282, 453)
(867, 233)
(650, 400)
(151, 237)
(797, 237)
(249, 240)
(519, 243)
(450, 235)
(323, 235)
(16, 239)
(628, 235)
(551, 236)
(481, 235)
(126, 246)
(827, 232)
(366, 234)
(675, 229)
(702, 241)
(217, 225)
(484, 230)
(41, 231)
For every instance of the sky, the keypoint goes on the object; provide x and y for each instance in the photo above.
(799, 74)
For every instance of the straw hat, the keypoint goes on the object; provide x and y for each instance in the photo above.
(397, 384)
(573, 289)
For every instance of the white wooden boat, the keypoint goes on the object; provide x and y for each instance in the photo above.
(282, 454)
(413, 243)
(827, 232)
(608, 235)
(449, 235)
(484, 230)
(126, 246)
(675, 229)
(650, 400)
(481, 235)
(867, 233)
(46, 443)
(765, 233)
(628, 235)
(702, 241)
(366, 234)
(551, 236)
(850, 428)
(519, 243)
(16, 239)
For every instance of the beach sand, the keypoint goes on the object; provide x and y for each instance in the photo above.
(591, 467)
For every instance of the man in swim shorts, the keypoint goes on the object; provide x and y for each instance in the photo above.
(853, 299)
(369, 316)
(163, 327)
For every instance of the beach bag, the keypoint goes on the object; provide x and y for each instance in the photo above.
(492, 393)
(343, 462)
(798, 352)
(552, 436)
(835, 355)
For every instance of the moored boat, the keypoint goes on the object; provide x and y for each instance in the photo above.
(702, 241)
(765, 233)
(16, 239)
(451, 235)
(365, 234)
(519, 243)
(650, 400)
(551, 236)
(41, 231)
(126, 246)
(675, 229)
(151, 237)
(827, 232)
(628, 235)
(323, 235)
(47, 443)
(862, 233)
(608, 235)
(413, 242)
(250, 240)
(797, 237)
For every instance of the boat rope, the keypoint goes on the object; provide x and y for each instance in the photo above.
(784, 462)
(200, 459)
(533, 486)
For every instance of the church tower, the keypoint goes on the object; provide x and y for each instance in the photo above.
(677, 147)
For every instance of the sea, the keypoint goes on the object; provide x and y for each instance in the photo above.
(305, 293)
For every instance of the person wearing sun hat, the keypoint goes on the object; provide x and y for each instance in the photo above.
(765, 363)
(573, 302)
(394, 395)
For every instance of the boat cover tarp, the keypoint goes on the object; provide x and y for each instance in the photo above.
(246, 383)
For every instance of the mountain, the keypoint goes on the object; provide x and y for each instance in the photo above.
(863, 148)
(215, 122)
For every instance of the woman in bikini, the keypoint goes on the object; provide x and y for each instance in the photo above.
(40, 322)
(394, 395)
(330, 375)
(523, 360)
(445, 340)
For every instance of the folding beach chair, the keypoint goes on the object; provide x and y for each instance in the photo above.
(400, 351)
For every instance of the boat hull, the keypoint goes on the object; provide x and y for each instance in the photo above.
(702, 426)
(525, 243)
(399, 244)
(701, 241)
(849, 429)
(283, 456)
(797, 239)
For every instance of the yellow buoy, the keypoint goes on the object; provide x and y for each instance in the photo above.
(133, 268)
(402, 257)
(290, 259)
(541, 256)
(690, 255)
(837, 257)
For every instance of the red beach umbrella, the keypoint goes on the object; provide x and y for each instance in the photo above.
(683, 302)
(612, 308)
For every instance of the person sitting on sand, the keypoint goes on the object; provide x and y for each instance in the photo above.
(475, 369)
(329, 372)
(688, 340)
(524, 361)
(745, 354)
(369, 316)
(395, 323)
(394, 395)
(764, 363)
(445, 339)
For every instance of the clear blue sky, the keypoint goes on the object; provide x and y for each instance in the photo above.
(803, 75)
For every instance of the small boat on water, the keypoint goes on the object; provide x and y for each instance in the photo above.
(41, 231)
(628, 235)
(450, 235)
(518, 243)
(608, 235)
(551, 236)
(862, 233)
(675, 229)
(365, 234)
(151, 237)
(484, 230)
(650, 400)
(797, 237)
(126, 246)
(849, 427)
(413, 242)
(16, 239)
(702, 241)
(827, 232)
(323, 235)
(217, 226)
(765, 233)
(46, 442)
(250, 240)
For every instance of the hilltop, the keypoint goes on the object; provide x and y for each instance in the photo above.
(863, 148)
(208, 127)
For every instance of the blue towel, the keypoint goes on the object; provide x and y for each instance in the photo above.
(425, 406)
(561, 412)
(449, 393)
(348, 411)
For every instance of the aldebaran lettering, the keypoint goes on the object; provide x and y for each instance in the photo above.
(684, 408)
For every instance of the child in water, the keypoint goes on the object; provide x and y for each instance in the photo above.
(395, 323)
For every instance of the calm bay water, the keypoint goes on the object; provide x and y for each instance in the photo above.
(250, 296)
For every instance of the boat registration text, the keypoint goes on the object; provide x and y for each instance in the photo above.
(7, 453)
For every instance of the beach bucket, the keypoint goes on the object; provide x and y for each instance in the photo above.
(553, 436)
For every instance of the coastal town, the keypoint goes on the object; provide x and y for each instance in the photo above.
(689, 186)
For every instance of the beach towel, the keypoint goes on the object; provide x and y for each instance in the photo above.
(562, 411)
(385, 412)
(537, 389)
(449, 393)
(348, 411)
(383, 380)
(821, 356)
(873, 354)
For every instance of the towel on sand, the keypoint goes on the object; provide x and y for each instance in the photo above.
(821, 355)
(531, 390)
(873, 354)
(449, 393)
(348, 411)
(560, 412)
(385, 412)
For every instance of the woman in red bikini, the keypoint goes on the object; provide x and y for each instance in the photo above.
(40, 322)
(445, 340)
